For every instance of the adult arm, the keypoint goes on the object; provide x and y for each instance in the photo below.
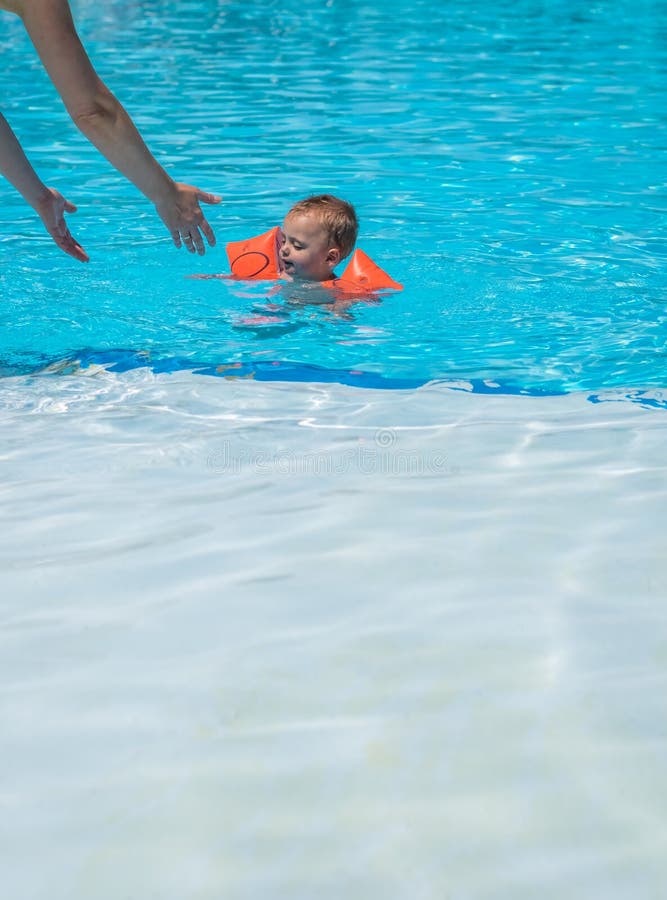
(106, 124)
(47, 202)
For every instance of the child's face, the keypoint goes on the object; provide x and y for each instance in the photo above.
(306, 252)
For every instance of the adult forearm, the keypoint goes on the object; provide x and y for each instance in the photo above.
(16, 167)
(107, 125)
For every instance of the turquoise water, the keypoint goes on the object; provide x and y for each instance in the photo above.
(507, 162)
(301, 640)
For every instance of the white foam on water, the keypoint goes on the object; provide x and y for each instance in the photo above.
(272, 640)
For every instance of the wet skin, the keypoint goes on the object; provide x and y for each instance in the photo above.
(306, 253)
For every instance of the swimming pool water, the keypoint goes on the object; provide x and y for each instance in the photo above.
(294, 639)
(507, 163)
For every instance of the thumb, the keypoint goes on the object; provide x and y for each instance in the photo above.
(208, 198)
(69, 207)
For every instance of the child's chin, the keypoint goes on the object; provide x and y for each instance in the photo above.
(306, 279)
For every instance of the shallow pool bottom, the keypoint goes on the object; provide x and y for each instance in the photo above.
(300, 639)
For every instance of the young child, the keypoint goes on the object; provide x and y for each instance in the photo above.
(317, 234)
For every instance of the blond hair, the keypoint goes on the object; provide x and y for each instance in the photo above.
(337, 216)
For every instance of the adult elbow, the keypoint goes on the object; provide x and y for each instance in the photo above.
(97, 116)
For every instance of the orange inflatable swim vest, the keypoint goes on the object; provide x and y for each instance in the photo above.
(258, 258)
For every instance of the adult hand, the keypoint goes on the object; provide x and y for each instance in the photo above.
(51, 208)
(181, 213)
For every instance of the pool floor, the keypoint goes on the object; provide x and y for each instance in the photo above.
(305, 640)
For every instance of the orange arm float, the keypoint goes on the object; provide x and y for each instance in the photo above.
(256, 257)
(362, 272)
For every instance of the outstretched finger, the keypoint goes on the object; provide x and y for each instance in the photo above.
(189, 242)
(176, 237)
(67, 243)
(197, 241)
(76, 250)
(208, 232)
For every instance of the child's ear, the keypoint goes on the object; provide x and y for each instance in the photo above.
(333, 256)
